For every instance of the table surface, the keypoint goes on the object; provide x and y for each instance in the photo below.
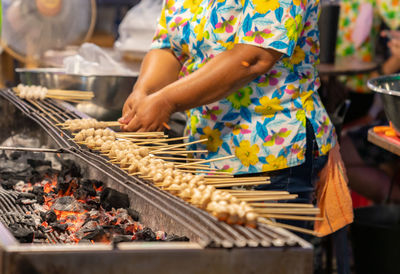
(346, 66)
(391, 144)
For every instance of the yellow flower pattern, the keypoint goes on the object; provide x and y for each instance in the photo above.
(247, 153)
(262, 123)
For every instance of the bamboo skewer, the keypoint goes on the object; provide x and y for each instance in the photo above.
(182, 145)
(271, 198)
(243, 179)
(180, 152)
(290, 227)
(258, 193)
(281, 205)
(208, 161)
(300, 211)
(291, 217)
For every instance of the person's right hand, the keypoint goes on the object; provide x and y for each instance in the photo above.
(130, 106)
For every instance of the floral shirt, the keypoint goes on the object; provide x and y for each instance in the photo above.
(349, 11)
(263, 123)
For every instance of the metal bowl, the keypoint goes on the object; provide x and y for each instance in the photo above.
(389, 89)
(110, 91)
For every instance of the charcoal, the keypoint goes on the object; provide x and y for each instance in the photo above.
(121, 238)
(134, 214)
(50, 216)
(35, 177)
(87, 185)
(23, 195)
(59, 227)
(62, 185)
(69, 167)
(111, 198)
(15, 155)
(23, 235)
(67, 203)
(24, 201)
(146, 235)
(8, 184)
(26, 222)
(38, 190)
(81, 194)
(96, 183)
(175, 238)
(84, 241)
(39, 235)
(91, 204)
(96, 235)
(40, 199)
(36, 163)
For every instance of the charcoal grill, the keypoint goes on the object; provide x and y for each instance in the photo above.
(214, 247)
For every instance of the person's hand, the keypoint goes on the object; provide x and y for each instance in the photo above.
(394, 46)
(394, 42)
(151, 114)
(130, 106)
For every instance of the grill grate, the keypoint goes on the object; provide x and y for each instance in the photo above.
(208, 229)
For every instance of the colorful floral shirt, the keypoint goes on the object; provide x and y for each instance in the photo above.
(349, 11)
(263, 123)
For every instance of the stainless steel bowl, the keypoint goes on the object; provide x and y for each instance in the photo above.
(110, 91)
(389, 89)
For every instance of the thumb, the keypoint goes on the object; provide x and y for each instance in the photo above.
(127, 117)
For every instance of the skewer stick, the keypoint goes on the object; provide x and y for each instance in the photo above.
(236, 184)
(291, 217)
(300, 211)
(183, 145)
(218, 176)
(270, 198)
(177, 158)
(164, 140)
(259, 193)
(209, 161)
(290, 227)
(243, 179)
(281, 205)
(180, 152)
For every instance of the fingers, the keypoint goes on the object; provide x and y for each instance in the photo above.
(127, 117)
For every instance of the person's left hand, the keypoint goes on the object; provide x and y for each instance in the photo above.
(150, 115)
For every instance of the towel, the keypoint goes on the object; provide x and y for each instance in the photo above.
(333, 196)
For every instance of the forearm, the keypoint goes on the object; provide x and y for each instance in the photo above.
(392, 65)
(225, 73)
(159, 68)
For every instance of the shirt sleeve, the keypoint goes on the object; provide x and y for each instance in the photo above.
(275, 24)
(162, 38)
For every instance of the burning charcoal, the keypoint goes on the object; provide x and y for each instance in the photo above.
(38, 190)
(59, 227)
(67, 203)
(24, 195)
(9, 184)
(88, 186)
(70, 168)
(62, 185)
(84, 241)
(97, 235)
(134, 214)
(96, 184)
(35, 177)
(146, 235)
(15, 155)
(23, 235)
(40, 199)
(36, 163)
(121, 238)
(39, 235)
(80, 194)
(111, 198)
(175, 238)
(23, 201)
(91, 204)
(50, 216)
